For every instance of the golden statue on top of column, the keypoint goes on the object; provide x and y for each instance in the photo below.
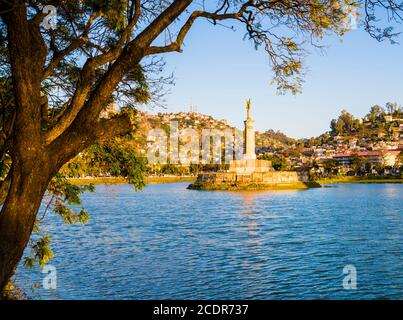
(248, 108)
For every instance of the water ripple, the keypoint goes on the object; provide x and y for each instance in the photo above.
(168, 242)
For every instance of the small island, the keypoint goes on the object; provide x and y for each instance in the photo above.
(250, 173)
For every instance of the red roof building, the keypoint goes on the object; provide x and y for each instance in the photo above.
(385, 157)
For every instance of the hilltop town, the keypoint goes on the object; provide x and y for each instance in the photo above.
(352, 146)
(371, 145)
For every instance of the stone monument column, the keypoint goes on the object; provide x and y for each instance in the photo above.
(249, 135)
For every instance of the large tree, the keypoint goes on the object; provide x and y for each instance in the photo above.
(55, 82)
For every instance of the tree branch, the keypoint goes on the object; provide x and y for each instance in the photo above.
(82, 138)
(86, 79)
(76, 43)
(176, 45)
(126, 58)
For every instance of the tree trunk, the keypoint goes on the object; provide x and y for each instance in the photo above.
(30, 172)
(18, 215)
(35, 157)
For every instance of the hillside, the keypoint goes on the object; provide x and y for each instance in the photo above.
(380, 128)
(198, 121)
(379, 131)
(273, 139)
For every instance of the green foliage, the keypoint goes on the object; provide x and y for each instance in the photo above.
(69, 216)
(41, 253)
(399, 161)
(141, 92)
(113, 10)
(65, 192)
(376, 113)
(359, 165)
(373, 126)
(271, 137)
(116, 158)
(345, 124)
(279, 163)
(4, 167)
(330, 167)
(62, 196)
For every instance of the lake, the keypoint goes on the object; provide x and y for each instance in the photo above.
(167, 242)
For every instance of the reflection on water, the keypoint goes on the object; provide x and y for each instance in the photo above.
(169, 242)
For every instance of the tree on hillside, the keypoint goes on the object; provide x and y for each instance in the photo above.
(394, 109)
(359, 164)
(337, 126)
(391, 107)
(345, 124)
(57, 81)
(330, 167)
(379, 168)
(376, 113)
(278, 162)
(399, 161)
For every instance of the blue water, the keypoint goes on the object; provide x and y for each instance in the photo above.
(167, 242)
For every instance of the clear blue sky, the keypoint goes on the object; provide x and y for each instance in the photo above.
(218, 70)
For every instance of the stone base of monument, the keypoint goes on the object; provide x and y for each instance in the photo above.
(249, 166)
(269, 180)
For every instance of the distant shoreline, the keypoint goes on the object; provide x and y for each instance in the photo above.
(121, 180)
(173, 179)
(341, 180)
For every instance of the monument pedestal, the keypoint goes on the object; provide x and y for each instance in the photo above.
(247, 166)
